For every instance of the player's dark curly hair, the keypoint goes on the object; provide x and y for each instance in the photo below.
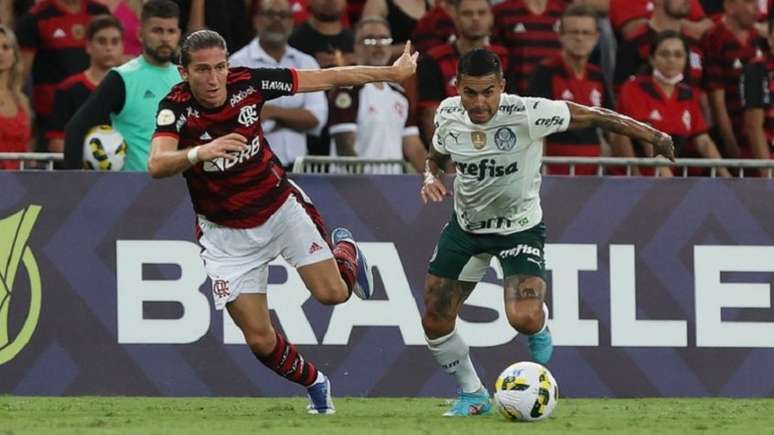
(479, 62)
(200, 40)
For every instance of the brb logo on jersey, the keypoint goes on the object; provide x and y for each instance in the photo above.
(248, 115)
(221, 164)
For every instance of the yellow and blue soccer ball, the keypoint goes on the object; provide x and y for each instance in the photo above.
(104, 149)
(526, 391)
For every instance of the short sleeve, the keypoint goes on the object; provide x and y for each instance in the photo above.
(274, 82)
(546, 117)
(27, 33)
(343, 110)
(440, 132)
(166, 119)
(755, 86)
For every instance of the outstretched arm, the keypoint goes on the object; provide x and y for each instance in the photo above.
(329, 78)
(606, 119)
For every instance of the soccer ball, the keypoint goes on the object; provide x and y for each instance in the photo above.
(104, 149)
(526, 391)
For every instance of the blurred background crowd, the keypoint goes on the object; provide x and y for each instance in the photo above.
(697, 69)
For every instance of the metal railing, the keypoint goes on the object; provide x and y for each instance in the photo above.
(357, 165)
(23, 158)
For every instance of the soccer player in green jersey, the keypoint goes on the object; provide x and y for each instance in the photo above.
(495, 141)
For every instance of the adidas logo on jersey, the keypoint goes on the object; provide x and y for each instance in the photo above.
(59, 33)
(314, 248)
(655, 115)
(149, 94)
(737, 64)
(205, 136)
(519, 28)
(567, 95)
(486, 168)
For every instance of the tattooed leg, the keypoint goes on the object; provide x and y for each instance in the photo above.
(524, 297)
(443, 301)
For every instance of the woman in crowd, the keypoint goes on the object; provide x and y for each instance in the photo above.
(661, 99)
(15, 126)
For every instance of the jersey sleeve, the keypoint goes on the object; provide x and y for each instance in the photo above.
(755, 86)
(441, 130)
(546, 117)
(274, 82)
(343, 110)
(167, 117)
(27, 33)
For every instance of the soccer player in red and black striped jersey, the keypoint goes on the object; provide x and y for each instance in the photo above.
(528, 29)
(569, 76)
(728, 47)
(248, 212)
(437, 69)
(52, 37)
(757, 86)
(105, 47)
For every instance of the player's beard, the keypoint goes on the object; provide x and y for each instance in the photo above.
(157, 56)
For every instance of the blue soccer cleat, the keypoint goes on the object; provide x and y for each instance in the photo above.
(477, 403)
(320, 400)
(541, 345)
(364, 279)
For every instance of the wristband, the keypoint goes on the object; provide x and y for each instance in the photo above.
(193, 155)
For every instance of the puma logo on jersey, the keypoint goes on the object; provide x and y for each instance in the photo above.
(486, 168)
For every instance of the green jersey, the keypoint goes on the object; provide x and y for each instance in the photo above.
(497, 187)
(145, 85)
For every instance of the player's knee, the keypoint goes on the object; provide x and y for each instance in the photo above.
(526, 320)
(261, 341)
(331, 295)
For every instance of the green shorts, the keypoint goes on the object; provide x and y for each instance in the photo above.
(465, 256)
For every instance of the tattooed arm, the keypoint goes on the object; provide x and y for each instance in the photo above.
(584, 117)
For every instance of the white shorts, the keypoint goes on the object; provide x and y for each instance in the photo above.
(237, 260)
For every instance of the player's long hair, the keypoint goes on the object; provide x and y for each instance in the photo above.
(16, 72)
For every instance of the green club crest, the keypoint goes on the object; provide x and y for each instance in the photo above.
(14, 232)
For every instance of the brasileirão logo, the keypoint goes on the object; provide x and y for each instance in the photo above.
(14, 232)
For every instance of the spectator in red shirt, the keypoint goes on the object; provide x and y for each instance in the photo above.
(569, 76)
(437, 69)
(104, 44)
(634, 49)
(663, 101)
(402, 15)
(757, 86)
(435, 28)
(528, 29)
(15, 131)
(627, 15)
(728, 47)
(52, 37)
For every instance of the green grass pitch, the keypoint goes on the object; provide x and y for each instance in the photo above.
(141, 415)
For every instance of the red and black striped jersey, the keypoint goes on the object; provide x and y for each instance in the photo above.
(678, 114)
(242, 192)
(57, 37)
(757, 86)
(724, 60)
(529, 38)
(633, 55)
(622, 11)
(555, 80)
(437, 72)
(433, 29)
(68, 98)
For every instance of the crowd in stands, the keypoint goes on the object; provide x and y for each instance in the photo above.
(700, 70)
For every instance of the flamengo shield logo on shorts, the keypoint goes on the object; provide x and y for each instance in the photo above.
(14, 232)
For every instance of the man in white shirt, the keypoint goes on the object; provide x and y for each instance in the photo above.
(375, 120)
(286, 120)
